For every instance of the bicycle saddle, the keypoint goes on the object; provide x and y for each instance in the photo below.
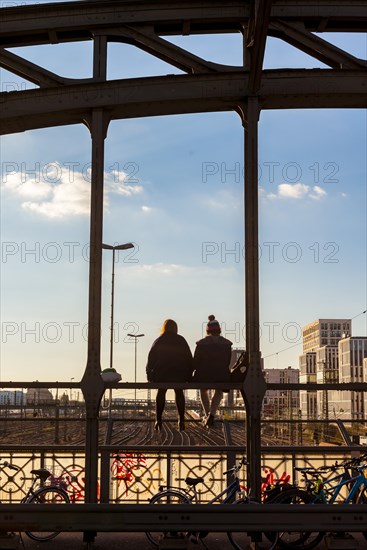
(42, 473)
(192, 481)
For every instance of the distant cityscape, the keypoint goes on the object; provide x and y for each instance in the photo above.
(330, 355)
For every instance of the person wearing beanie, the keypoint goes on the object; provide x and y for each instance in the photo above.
(170, 360)
(211, 364)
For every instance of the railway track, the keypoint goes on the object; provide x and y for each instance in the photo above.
(129, 431)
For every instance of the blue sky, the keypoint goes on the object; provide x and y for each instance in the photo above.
(174, 187)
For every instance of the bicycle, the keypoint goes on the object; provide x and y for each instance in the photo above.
(45, 494)
(328, 491)
(320, 490)
(233, 494)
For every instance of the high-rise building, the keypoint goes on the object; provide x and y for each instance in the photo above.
(325, 332)
(321, 337)
(327, 371)
(308, 399)
(352, 366)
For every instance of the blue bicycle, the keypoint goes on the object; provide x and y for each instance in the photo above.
(319, 489)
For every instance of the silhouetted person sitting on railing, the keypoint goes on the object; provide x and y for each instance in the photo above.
(169, 360)
(211, 364)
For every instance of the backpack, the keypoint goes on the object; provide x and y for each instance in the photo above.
(238, 370)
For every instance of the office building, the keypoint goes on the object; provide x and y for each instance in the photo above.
(12, 397)
(321, 337)
(327, 372)
(352, 368)
(308, 399)
(325, 332)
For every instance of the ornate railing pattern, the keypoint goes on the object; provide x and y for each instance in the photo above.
(133, 476)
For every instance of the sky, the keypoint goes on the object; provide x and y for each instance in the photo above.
(174, 187)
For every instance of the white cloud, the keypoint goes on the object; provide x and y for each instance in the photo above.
(120, 183)
(162, 269)
(58, 193)
(318, 193)
(65, 199)
(26, 187)
(272, 196)
(295, 191)
(146, 209)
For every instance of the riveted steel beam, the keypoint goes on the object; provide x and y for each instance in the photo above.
(146, 39)
(30, 71)
(298, 36)
(70, 21)
(178, 94)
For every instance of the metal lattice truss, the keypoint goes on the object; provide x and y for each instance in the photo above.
(206, 86)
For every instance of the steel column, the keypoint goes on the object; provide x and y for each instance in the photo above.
(92, 384)
(254, 385)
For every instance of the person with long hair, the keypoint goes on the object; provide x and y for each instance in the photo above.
(170, 360)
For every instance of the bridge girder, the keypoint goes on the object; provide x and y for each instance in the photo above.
(179, 94)
(70, 21)
(213, 87)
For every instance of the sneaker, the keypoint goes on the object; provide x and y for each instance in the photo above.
(158, 426)
(210, 420)
(181, 425)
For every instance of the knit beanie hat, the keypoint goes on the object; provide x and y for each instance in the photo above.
(212, 327)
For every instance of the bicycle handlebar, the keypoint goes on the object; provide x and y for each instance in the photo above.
(236, 468)
(352, 463)
(7, 464)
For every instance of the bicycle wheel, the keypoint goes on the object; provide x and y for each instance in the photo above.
(290, 539)
(46, 495)
(240, 540)
(167, 497)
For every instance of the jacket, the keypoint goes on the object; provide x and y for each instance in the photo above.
(169, 359)
(211, 359)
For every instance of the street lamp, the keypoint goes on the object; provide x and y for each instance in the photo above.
(71, 391)
(135, 336)
(114, 248)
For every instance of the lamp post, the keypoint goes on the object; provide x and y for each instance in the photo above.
(135, 336)
(71, 391)
(114, 248)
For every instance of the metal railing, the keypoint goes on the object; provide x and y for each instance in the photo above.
(128, 474)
